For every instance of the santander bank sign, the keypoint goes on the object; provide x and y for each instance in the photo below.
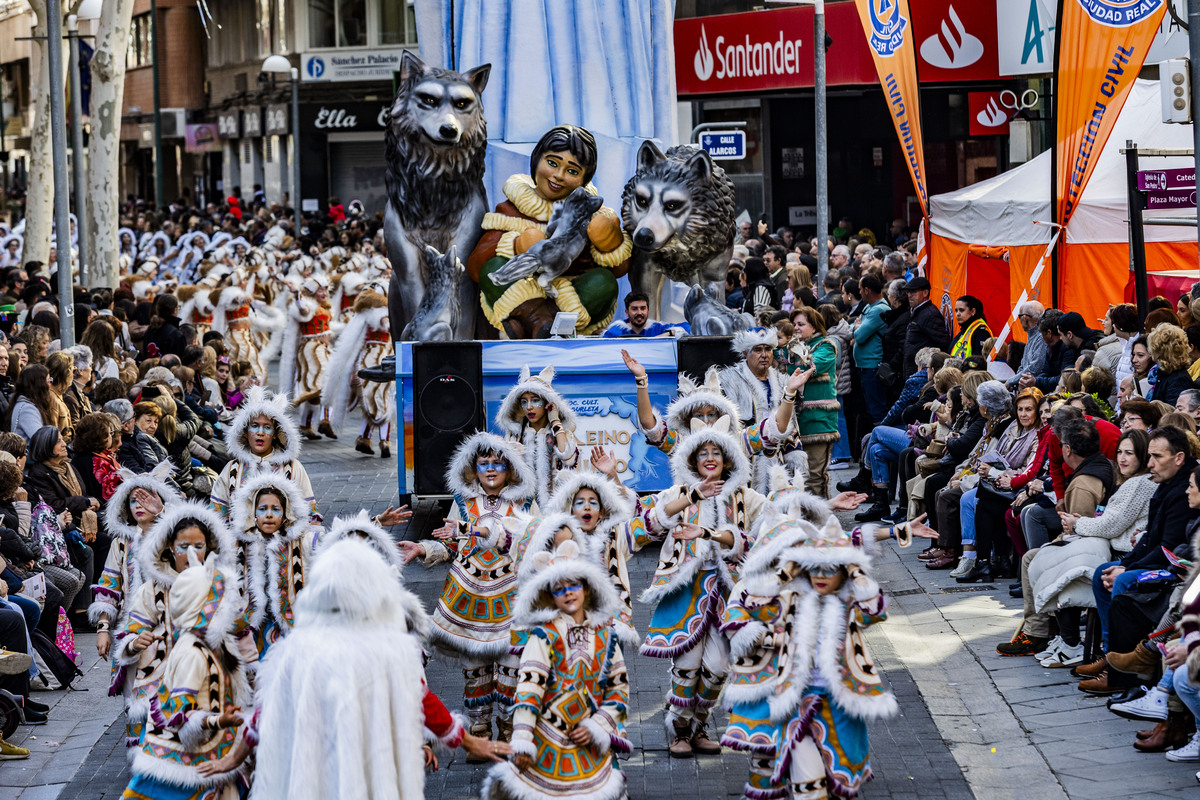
(761, 50)
(746, 58)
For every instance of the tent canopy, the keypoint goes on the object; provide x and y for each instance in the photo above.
(1003, 210)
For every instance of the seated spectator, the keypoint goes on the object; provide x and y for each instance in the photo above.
(32, 405)
(1172, 356)
(1061, 577)
(140, 451)
(1069, 382)
(637, 320)
(61, 367)
(100, 339)
(1090, 484)
(1100, 384)
(95, 459)
(1171, 469)
(1138, 414)
(1189, 403)
(76, 397)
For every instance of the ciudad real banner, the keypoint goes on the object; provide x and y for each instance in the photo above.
(1102, 45)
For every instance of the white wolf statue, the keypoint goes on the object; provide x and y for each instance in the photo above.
(680, 209)
(436, 141)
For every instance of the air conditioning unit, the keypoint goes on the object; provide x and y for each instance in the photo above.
(174, 123)
(1175, 89)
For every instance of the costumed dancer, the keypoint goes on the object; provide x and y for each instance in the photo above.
(147, 634)
(304, 366)
(563, 160)
(803, 684)
(197, 309)
(595, 510)
(195, 716)
(275, 548)
(129, 513)
(262, 438)
(352, 663)
(705, 523)
(707, 402)
(536, 416)
(490, 481)
(757, 389)
(345, 292)
(237, 315)
(363, 343)
(573, 694)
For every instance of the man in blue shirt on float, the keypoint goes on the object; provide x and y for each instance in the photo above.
(637, 321)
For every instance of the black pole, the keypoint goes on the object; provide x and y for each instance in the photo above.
(1137, 231)
(159, 167)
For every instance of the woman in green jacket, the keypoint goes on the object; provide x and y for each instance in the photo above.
(817, 405)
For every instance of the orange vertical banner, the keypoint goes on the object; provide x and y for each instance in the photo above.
(888, 26)
(1101, 47)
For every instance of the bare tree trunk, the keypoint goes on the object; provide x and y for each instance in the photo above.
(39, 199)
(108, 96)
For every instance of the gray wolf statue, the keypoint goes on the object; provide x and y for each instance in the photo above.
(566, 233)
(709, 316)
(437, 317)
(435, 148)
(680, 209)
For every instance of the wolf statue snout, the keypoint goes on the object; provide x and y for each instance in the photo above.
(644, 238)
(449, 132)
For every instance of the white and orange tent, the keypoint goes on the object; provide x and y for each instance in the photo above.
(973, 230)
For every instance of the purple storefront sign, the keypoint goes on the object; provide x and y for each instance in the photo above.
(1160, 180)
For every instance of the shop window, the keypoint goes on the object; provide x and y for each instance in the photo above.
(397, 23)
(140, 52)
(337, 23)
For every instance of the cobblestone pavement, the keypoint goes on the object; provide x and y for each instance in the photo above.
(972, 724)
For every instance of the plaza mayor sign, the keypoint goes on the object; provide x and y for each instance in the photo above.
(762, 50)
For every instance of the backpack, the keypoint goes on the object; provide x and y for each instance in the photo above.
(46, 537)
(64, 636)
(61, 667)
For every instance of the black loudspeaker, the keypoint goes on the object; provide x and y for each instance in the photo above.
(447, 407)
(698, 353)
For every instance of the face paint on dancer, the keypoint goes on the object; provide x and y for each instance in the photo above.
(533, 407)
(571, 599)
(260, 435)
(268, 513)
(710, 461)
(826, 580)
(587, 510)
(492, 471)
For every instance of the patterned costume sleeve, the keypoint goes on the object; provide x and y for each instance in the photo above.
(300, 476)
(536, 666)
(870, 605)
(178, 706)
(659, 434)
(108, 593)
(607, 722)
(142, 616)
(222, 491)
(568, 458)
(438, 551)
(748, 620)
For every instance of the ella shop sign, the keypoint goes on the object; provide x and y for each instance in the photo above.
(344, 117)
(763, 50)
(350, 65)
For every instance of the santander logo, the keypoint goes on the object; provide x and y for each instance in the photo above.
(953, 47)
(992, 116)
(704, 58)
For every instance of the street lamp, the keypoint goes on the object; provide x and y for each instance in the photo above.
(281, 65)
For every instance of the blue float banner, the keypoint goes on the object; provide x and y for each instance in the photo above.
(591, 375)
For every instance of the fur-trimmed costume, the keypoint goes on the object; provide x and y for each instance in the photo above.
(201, 677)
(756, 402)
(275, 566)
(540, 446)
(340, 698)
(693, 578)
(802, 684)
(304, 364)
(238, 317)
(362, 344)
(608, 545)
(763, 438)
(283, 458)
(149, 607)
(362, 527)
(571, 675)
(474, 613)
(197, 309)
